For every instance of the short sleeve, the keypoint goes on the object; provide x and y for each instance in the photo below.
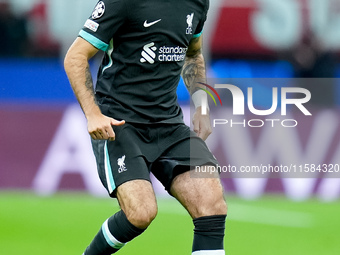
(199, 28)
(106, 19)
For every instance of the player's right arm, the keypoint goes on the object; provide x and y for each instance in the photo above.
(76, 65)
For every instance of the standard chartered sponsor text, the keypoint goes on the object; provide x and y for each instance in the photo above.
(170, 54)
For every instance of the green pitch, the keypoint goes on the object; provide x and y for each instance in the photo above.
(64, 224)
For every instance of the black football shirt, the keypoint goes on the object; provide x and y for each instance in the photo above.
(145, 42)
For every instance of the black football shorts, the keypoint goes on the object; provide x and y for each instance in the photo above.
(166, 150)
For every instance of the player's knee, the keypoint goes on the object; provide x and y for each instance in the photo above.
(212, 207)
(143, 216)
(221, 207)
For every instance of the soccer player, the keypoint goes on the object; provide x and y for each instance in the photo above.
(134, 120)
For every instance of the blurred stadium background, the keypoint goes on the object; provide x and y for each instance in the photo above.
(48, 184)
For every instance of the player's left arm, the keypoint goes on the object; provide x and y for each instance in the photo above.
(194, 72)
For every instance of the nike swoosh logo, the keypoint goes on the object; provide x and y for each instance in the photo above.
(146, 24)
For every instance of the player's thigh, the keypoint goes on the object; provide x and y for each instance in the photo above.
(137, 200)
(181, 157)
(200, 195)
(121, 160)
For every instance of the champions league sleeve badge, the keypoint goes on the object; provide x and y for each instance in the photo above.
(98, 10)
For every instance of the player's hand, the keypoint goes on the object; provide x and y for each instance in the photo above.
(202, 126)
(100, 127)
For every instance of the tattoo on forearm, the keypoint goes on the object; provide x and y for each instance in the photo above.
(193, 71)
(189, 74)
(194, 66)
